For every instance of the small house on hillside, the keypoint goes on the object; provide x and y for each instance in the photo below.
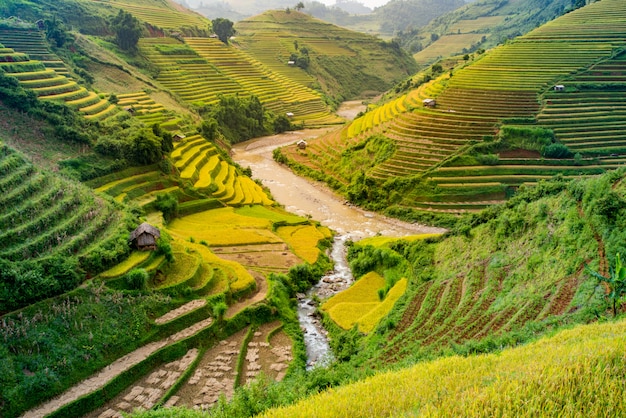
(429, 102)
(559, 87)
(178, 137)
(145, 237)
(289, 114)
(301, 144)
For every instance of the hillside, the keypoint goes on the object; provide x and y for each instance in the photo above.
(481, 24)
(328, 53)
(141, 267)
(498, 122)
(503, 282)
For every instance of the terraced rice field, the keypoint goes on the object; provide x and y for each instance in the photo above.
(582, 50)
(360, 304)
(31, 42)
(144, 108)
(447, 45)
(486, 298)
(45, 215)
(203, 68)
(199, 165)
(47, 84)
(165, 17)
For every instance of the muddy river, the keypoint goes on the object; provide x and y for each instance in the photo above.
(310, 198)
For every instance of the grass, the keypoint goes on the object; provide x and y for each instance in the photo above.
(577, 371)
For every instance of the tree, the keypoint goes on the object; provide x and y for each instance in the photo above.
(616, 282)
(299, 6)
(223, 28)
(55, 32)
(128, 30)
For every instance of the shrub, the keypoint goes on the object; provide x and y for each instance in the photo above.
(137, 279)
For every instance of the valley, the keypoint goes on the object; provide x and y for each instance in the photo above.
(297, 219)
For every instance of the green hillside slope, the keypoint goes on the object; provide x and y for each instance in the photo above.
(480, 24)
(462, 154)
(58, 228)
(508, 276)
(334, 53)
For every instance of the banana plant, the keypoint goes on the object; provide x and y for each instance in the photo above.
(616, 282)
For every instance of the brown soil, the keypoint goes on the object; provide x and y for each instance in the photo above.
(259, 294)
(214, 376)
(146, 392)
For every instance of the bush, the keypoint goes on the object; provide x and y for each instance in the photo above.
(137, 279)
(556, 151)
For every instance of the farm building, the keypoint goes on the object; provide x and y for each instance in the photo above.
(429, 102)
(179, 137)
(301, 144)
(145, 237)
(559, 87)
(289, 114)
(291, 62)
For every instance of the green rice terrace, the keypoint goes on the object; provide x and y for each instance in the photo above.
(480, 139)
(331, 53)
(48, 84)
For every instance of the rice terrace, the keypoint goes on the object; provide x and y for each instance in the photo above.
(215, 215)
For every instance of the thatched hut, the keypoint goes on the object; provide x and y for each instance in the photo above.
(145, 237)
(301, 144)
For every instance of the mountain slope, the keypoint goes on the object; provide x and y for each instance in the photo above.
(481, 24)
(461, 154)
(344, 63)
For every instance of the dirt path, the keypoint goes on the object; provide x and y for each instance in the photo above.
(105, 375)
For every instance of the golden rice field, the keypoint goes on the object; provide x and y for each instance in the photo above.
(360, 304)
(238, 277)
(368, 322)
(135, 259)
(577, 372)
(303, 240)
(184, 267)
(223, 227)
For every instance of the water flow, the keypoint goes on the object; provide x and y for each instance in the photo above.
(317, 347)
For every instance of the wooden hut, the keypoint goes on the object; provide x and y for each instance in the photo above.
(145, 237)
(301, 144)
(429, 102)
(559, 87)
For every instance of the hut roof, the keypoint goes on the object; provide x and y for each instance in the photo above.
(145, 228)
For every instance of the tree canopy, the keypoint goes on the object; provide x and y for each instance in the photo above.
(127, 29)
(223, 28)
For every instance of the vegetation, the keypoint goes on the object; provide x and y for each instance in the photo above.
(223, 28)
(127, 29)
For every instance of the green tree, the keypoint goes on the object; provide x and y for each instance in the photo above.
(55, 32)
(299, 6)
(145, 147)
(616, 282)
(128, 30)
(223, 28)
